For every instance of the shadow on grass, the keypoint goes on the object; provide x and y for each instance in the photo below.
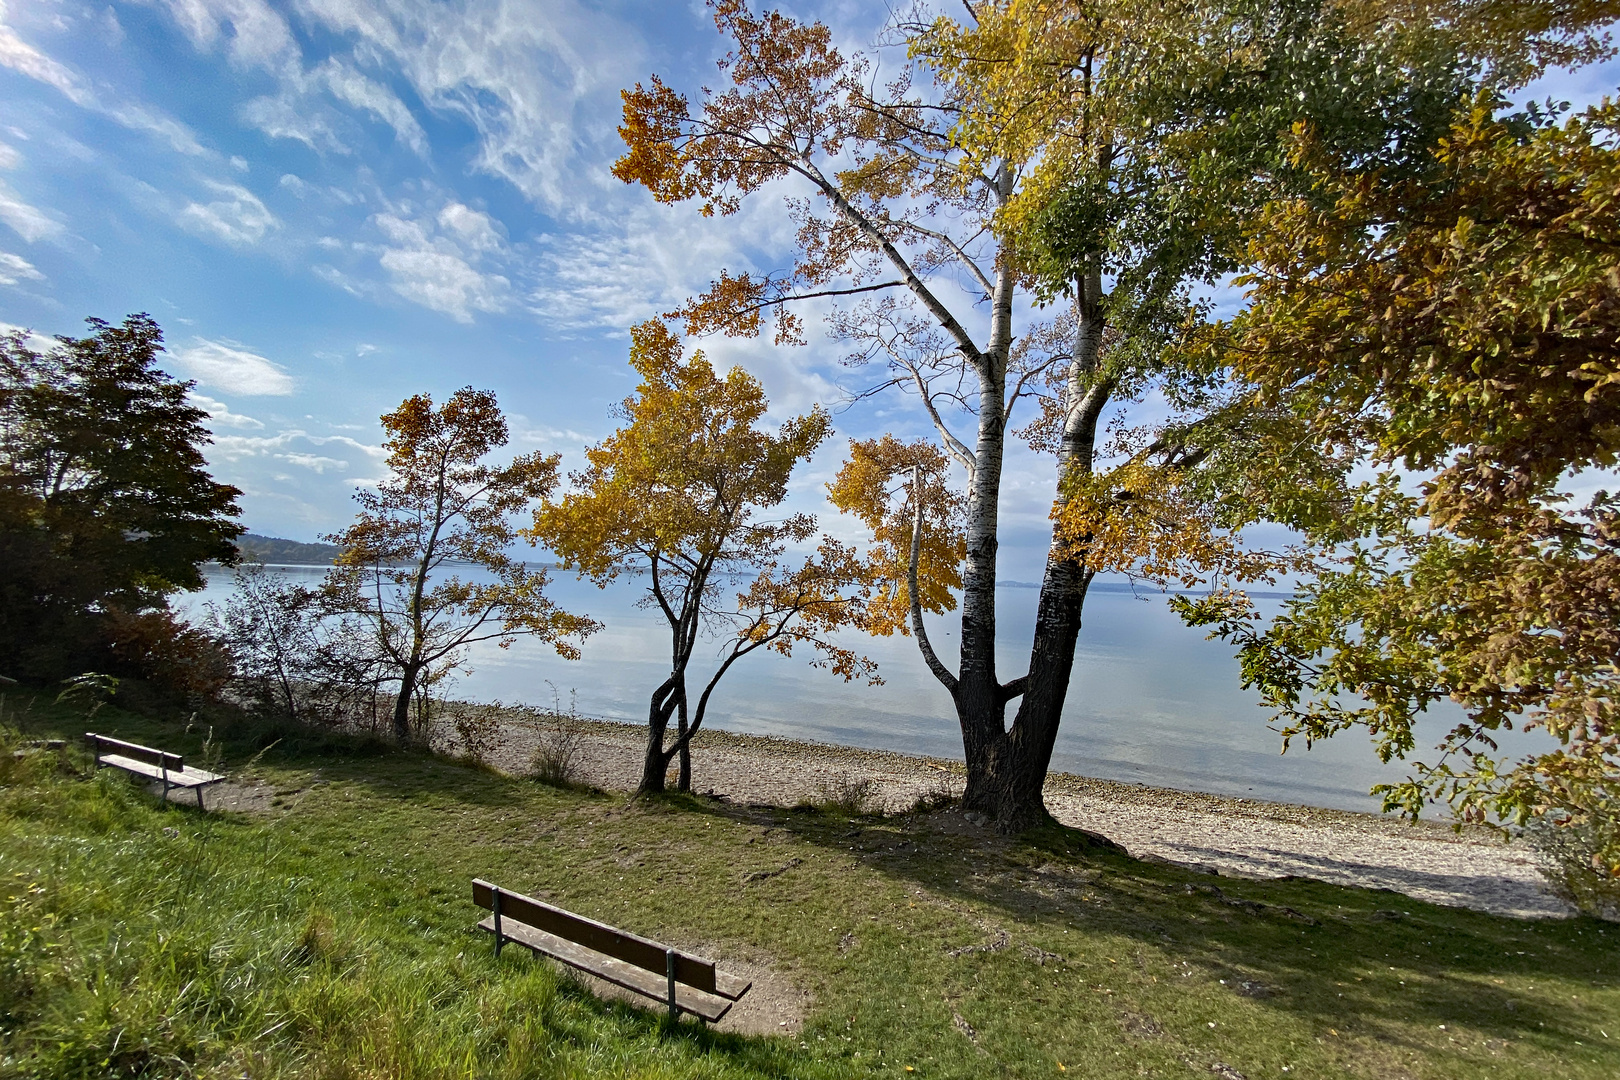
(1326, 952)
(1374, 960)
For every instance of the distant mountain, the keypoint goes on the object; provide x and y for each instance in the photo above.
(275, 550)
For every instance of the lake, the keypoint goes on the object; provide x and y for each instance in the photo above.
(1151, 700)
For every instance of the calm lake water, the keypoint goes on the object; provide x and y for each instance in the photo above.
(1151, 700)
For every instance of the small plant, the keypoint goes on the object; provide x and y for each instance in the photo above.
(558, 740)
(941, 792)
(849, 795)
(478, 730)
(1572, 861)
(90, 687)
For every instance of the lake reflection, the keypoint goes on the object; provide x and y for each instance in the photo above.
(1151, 701)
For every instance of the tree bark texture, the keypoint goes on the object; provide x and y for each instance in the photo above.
(1006, 767)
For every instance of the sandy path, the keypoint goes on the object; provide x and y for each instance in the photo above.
(1239, 837)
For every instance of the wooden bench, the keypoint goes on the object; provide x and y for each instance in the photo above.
(682, 982)
(169, 769)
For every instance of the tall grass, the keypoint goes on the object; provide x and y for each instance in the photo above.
(138, 940)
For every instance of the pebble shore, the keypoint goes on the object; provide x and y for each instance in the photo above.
(1231, 836)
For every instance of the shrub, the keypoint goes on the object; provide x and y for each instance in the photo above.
(1572, 860)
(558, 741)
(849, 795)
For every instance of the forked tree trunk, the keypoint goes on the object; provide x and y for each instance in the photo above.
(1006, 767)
(655, 763)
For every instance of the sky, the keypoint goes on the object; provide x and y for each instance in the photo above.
(330, 205)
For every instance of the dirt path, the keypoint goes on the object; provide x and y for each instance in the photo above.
(1238, 837)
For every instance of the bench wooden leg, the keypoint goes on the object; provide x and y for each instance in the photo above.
(495, 907)
(200, 805)
(669, 970)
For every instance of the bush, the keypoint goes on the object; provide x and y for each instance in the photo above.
(848, 795)
(294, 657)
(170, 654)
(558, 741)
(478, 730)
(1572, 859)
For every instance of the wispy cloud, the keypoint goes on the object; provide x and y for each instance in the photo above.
(437, 260)
(238, 218)
(14, 269)
(220, 414)
(233, 369)
(21, 57)
(28, 222)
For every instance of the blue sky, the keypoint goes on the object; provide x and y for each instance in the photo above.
(332, 204)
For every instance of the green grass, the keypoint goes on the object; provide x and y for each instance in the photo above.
(333, 937)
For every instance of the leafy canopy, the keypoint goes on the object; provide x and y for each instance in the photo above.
(106, 503)
(444, 504)
(1455, 332)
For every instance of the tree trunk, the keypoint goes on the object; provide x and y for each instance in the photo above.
(402, 706)
(683, 781)
(1007, 767)
(655, 765)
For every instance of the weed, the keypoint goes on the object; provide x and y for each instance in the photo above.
(558, 741)
(849, 796)
(478, 730)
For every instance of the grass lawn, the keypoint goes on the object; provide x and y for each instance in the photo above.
(333, 937)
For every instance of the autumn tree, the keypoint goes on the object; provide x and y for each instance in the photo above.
(443, 504)
(679, 494)
(1457, 334)
(107, 507)
(1098, 157)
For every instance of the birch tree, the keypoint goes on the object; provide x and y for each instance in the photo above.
(932, 213)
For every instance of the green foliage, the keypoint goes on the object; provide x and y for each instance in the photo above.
(1459, 328)
(105, 499)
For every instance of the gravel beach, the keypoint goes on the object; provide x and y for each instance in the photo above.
(1235, 837)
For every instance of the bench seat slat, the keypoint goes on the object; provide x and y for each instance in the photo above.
(181, 778)
(710, 1007)
(731, 986)
(600, 937)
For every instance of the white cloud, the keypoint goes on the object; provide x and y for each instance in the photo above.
(37, 342)
(280, 447)
(281, 118)
(255, 34)
(436, 260)
(28, 222)
(444, 282)
(233, 369)
(313, 461)
(21, 57)
(351, 87)
(239, 218)
(9, 158)
(220, 413)
(14, 269)
(474, 228)
(534, 78)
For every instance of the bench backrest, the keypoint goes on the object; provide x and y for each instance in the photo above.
(161, 758)
(648, 955)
